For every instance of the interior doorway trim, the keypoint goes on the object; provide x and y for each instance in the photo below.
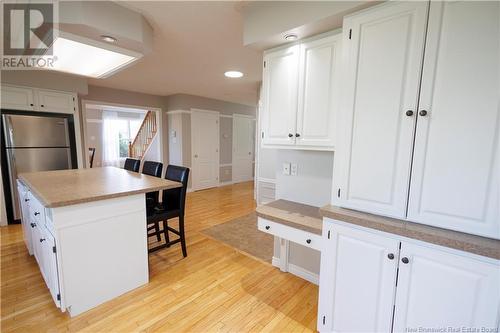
(159, 121)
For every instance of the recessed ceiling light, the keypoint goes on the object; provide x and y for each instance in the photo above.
(108, 39)
(233, 74)
(291, 37)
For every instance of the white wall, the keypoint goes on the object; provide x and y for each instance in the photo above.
(313, 183)
(312, 186)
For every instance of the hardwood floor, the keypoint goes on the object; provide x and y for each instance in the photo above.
(215, 288)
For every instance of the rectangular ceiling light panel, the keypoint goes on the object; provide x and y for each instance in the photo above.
(84, 59)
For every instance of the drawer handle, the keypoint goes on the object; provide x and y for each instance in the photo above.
(26, 200)
(42, 239)
(405, 260)
(33, 225)
(267, 227)
(308, 241)
(390, 256)
(37, 213)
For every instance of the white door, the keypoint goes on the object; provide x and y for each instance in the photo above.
(205, 149)
(357, 281)
(280, 96)
(439, 289)
(17, 98)
(319, 91)
(53, 101)
(384, 54)
(455, 177)
(243, 148)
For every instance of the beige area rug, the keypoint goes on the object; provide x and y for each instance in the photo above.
(243, 235)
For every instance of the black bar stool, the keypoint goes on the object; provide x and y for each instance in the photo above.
(173, 205)
(152, 169)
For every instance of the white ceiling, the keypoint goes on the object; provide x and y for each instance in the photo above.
(194, 44)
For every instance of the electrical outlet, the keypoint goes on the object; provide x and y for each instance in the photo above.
(293, 169)
(286, 168)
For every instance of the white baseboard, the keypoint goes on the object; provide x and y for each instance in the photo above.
(298, 271)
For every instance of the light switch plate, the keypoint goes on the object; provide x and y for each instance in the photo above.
(286, 168)
(293, 169)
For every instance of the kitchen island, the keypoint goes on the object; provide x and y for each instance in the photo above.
(87, 231)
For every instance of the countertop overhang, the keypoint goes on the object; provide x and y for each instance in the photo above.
(75, 186)
(309, 218)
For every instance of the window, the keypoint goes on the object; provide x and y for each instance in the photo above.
(127, 130)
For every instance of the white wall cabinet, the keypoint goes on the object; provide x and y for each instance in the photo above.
(435, 164)
(34, 99)
(361, 291)
(301, 94)
(55, 101)
(18, 98)
(280, 81)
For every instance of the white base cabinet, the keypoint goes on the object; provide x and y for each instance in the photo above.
(372, 281)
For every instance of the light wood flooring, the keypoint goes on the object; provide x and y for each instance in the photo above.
(215, 288)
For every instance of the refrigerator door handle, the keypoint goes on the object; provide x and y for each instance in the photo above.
(11, 165)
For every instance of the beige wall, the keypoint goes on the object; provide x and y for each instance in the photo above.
(187, 102)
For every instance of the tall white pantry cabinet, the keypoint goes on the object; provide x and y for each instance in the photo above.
(418, 140)
(420, 117)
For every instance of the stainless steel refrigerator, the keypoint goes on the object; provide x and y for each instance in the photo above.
(34, 143)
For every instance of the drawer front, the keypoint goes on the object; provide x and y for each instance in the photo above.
(37, 211)
(295, 235)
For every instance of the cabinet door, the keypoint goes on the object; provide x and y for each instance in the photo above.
(25, 218)
(280, 96)
(54, 101)
(49, 267)
(319, 91)
(455, 178)
(17, 98)
(440, 289)
(357, 281)
(384, 48)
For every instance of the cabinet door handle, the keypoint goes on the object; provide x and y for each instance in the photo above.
(26, 200)
(290, 135)
(390, 256)
(308, 241)
(33, 225)
(297, 135)
(31, 104)
(405, 260)
(423, 113)
(42, 239)
(37, 213)
(409, 113)
(42, 105)
(268, 227)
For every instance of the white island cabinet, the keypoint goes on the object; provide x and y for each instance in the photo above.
(87, 231)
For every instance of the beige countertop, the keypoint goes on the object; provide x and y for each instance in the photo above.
(296, 215)
(69, 187)
(457, 240)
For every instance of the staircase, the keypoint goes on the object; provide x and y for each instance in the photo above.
(138, 148)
